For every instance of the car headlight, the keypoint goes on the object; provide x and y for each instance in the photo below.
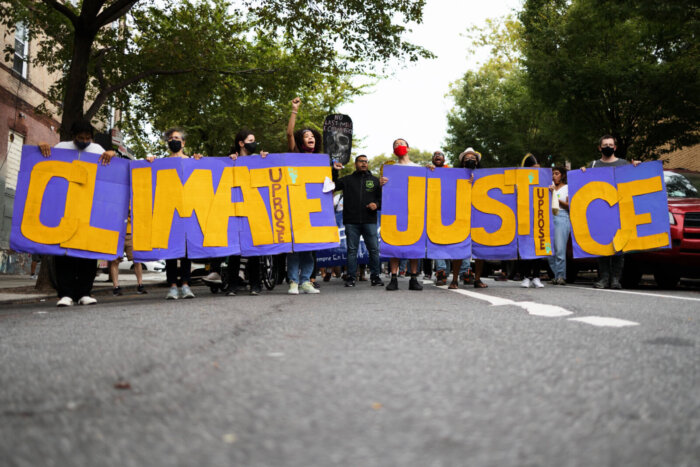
(671, 219)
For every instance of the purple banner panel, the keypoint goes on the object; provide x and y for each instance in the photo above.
(403, 212)
(532, 178)
(654, 230)
(300, 213)
(69, 204)
(594, 221)
(195, 225)
(494, 211)
(166, 238)
(441, 244)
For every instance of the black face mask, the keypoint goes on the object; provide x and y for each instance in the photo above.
(607, 152)
(81, 144)
(251, 147)
(469, 164)
(174, 145)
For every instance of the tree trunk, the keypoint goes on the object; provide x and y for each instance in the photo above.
(76, 84)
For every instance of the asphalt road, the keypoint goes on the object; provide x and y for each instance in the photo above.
(355, 377)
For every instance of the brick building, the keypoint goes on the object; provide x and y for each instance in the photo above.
(23, 88)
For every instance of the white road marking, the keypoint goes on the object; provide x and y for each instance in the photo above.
(603, 321)
(542, 309)
(647, 294)
(533, 308)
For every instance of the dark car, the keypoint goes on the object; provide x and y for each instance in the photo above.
(669, 265)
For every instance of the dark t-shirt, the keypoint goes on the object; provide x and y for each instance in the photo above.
(600, 163)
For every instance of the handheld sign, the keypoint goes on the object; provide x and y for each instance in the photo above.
(337, 137)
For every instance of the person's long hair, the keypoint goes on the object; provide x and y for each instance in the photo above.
(299, 140)
(562, 171)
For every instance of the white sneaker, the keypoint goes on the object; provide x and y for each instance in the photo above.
(293, 288)
(187, 292)
(537, 283)
(86, 300)
(65, 301)
(308, 287)
(526, 284)
(33, 277)
(172, 294)
(213, 277)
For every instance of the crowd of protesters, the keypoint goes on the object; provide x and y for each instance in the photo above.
(361, 199)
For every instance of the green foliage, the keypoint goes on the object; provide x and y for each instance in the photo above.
(628, 68)
(494, 110)
(120, 52)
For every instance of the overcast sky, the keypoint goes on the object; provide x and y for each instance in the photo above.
(413, 103)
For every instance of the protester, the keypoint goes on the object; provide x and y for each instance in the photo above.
(438, 161)
(301, 264)
(469, 159)
(75, 276)
(175, 138)
(609, 267)
(562, 225)
(244, 145)
(362, 197)
(401, 151)
(530, 268)
(36, 259)
(138, 268)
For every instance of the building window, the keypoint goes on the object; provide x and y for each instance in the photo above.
(21, 50)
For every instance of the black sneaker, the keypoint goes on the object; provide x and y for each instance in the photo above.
(231, 291)
(117, 291)
(413, 284)
(350, 283)
(255, 290)
(141, 290)
(376, 280)
(393, 284)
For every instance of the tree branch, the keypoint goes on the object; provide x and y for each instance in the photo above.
(64, 10)
(115, 11)
(105, 93)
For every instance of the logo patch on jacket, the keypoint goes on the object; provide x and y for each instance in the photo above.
(369, 185)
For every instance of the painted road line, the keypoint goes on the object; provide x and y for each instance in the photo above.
(533, 308)
(630, 292)
(602, 321)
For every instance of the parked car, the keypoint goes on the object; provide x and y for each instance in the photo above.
(154, 266)
(668, 265)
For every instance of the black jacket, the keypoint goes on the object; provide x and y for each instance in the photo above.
(359, 189)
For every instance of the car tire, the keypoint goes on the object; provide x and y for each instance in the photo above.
(666, 279)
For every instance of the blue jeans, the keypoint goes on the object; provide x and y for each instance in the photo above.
(300, 261)
(440, 265)
(352, 239)
(562, 229)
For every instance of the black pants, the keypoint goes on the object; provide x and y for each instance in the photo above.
(172, 272)
(74, 276)
(252, 268)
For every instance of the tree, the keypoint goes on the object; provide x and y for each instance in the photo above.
(494, 111)
(218, 106)
(617, 67)
(100, 63)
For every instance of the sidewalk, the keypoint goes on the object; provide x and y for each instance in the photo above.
(15, 289)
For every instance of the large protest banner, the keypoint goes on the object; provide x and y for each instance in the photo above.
(217, 207)
(618, 209)
(70, 205)
(457, 213)
(205, 208)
